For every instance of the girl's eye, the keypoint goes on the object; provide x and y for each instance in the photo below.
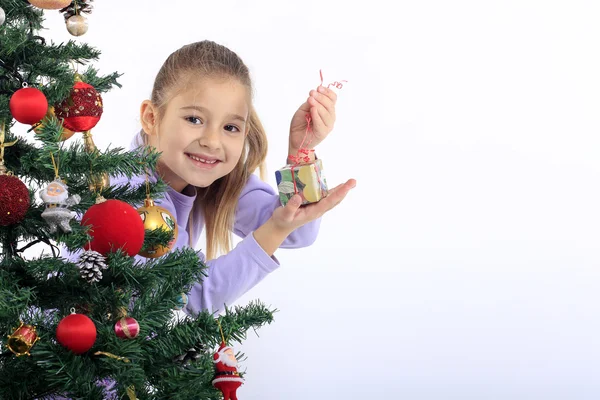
(194, 120)
(231, 128)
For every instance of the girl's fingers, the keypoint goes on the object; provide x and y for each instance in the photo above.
(305, 106)
(292, 206)
(331, 95)
(326, 117)
(324, 100)
(318, 125)
(334, 197)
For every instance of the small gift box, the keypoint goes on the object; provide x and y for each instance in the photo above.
(305, 179)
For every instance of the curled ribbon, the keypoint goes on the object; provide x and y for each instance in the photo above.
(337, 84)
(298, 158)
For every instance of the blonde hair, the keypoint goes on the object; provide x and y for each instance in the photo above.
(218, 201)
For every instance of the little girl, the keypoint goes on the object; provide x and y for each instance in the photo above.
(201, 118)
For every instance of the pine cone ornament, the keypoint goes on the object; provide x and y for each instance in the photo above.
(193, 354)
(91, 264)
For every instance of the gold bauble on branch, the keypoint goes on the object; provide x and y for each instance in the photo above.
(66, 133)
(155, 217)
(50, 4)
(77, 25)
(99, 182)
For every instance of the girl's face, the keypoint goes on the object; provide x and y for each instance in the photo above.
(202, 132)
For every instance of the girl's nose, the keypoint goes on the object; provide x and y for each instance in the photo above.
(211, 138)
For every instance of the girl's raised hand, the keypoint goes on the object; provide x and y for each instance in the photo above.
(321, 107)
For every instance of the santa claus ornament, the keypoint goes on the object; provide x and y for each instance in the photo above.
(57, 213)
(227, 379)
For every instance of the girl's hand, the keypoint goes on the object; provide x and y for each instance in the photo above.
(292, 216)
(321, 107)
(286, 219)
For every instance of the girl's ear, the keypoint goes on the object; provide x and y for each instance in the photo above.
(148, 117)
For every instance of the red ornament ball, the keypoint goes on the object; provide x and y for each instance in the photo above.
(77, 333)
(127, 328)
(14, 200)
(82, 110)
(114, 225)
(28, 105)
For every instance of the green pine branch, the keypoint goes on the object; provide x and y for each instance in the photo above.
(42, 290)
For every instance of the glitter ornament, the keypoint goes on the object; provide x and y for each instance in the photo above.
(50, 4)
(77, 25)
(28, 105)
(14, 200)
(22, 340)
(155, 217)
(182, 301)
(82, 110)
(57, 213)
(14, 195)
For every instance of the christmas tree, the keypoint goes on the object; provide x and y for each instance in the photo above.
(103, 325)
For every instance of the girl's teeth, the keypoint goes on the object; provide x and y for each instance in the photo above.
(202, 160)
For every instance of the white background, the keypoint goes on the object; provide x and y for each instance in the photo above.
(465, 263)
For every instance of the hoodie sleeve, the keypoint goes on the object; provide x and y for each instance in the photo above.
(257, 202)
(230, 276)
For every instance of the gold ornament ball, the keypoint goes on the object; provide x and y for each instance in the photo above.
(157, 217)
(50, 114)
(99, 182)
(77, 25)
(50, 4)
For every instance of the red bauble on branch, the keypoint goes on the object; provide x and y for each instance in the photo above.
(114, 225)
(14, 200)
(127, 328)
(77, 333)
(82, 110)
(28, 105)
